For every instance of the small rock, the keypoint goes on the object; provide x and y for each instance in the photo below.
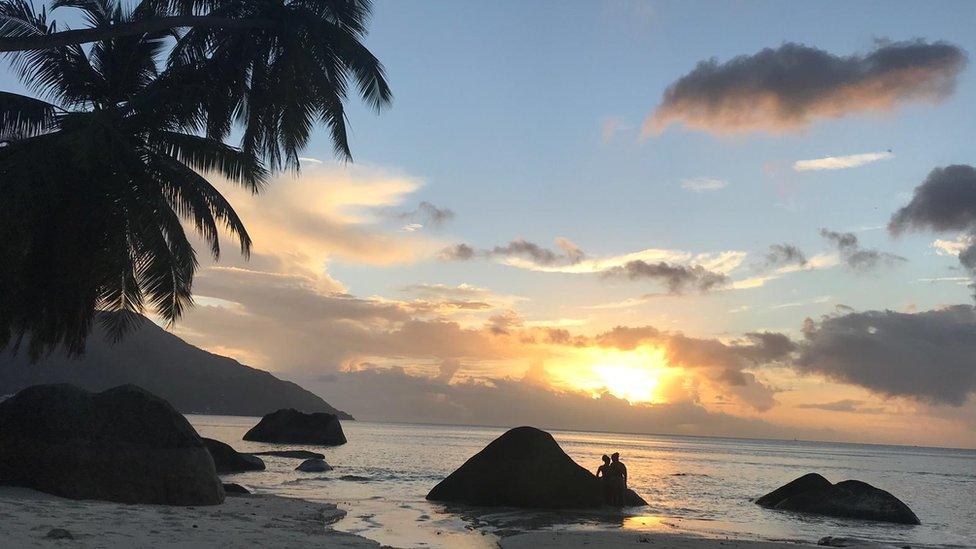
(233, 488)
(58, 533)
(314, 466)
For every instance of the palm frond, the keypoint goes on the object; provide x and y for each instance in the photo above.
(22, 116)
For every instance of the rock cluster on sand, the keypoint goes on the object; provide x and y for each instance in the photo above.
(524, 467)
(228, 460)
(854, 499)
(290, 425)
(124, 444)
(314, 466)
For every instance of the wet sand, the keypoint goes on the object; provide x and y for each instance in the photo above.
(35, 519)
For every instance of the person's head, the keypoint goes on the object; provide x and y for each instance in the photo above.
(606, 458)
(615, 457)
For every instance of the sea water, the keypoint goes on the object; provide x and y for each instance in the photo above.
(697, 485)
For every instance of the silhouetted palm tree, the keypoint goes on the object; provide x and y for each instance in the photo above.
(102, 170)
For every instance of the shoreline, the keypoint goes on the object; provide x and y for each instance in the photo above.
(37, 519)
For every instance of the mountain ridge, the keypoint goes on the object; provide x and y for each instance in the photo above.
(191, 379)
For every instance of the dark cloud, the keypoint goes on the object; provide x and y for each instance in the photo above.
(789, 87)
(846, 405)
(929, 355)
(857, 258)
(677, 278)
(457, 252)
(428, 215)
(785, 254)
(945, 201)
(570, 255)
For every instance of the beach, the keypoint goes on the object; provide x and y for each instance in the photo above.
(35, 519)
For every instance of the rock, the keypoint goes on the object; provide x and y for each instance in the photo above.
(296, 454)
(232, 488)
(124, 444)
(58, 533)
(524, 467)
(809, 481)
(848, 499)
(229, 460)
(289, 425)
(314, 466)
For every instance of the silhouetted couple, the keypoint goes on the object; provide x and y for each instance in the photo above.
(614, 475)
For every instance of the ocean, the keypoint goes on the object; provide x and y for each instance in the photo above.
(697, 485)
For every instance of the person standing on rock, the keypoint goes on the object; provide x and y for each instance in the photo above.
(619, 479)
(603, 473)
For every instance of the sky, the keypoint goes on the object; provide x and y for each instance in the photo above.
(736, 219)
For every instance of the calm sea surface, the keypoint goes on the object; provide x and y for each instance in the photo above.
(696, 485)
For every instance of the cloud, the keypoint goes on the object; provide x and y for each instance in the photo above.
(457, 252)
(514, 401)
(785, 254)
(945, 201)
(326, 213)
(677, 278)
(427, 215)
(926, 355)
(703, 184)
(857, 258)
(724, 365)
(789, 87)
(611, 126)
(841, 162)
(845, 405)
(571, 253)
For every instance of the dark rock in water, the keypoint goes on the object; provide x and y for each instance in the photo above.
(524, 467)
(806, 483)
(232, 488)
(296, 454)
(848, 499)
(229, 460)
(124, 444)
(290, 425)
(58, 533)
(314, 466)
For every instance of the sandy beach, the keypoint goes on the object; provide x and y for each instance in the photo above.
(625, 538)
(36, 519)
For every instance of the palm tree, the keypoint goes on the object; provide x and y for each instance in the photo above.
(103, 170)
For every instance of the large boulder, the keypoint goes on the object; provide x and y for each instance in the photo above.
(229, 460)
(524, 467)
(848, 499)
(806, 483)
(124, 444)
(290, 425)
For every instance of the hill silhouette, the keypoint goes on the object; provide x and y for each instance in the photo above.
(191, 379)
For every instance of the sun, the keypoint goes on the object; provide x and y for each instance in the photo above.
(633, 375)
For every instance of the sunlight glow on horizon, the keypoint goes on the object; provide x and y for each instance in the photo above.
(636, 375)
